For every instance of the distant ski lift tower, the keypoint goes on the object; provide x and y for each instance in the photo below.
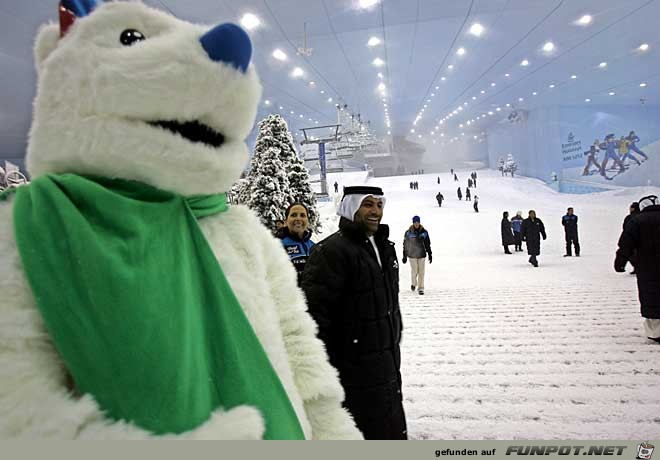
(330, 135)
(304, 50)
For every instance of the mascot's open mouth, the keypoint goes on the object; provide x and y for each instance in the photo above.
(193, 131)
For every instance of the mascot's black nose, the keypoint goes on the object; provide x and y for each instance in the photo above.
(228, 43)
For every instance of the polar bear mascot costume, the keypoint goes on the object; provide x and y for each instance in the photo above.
(134, 303)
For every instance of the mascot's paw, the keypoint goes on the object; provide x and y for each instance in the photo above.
(242, 422)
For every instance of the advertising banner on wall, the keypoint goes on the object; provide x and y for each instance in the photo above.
(611, 145)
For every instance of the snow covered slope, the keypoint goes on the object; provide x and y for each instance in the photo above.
(498, 349)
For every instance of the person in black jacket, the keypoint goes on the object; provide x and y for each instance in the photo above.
(440, 198)
(642, 234)
(634, 209)
(459, 193)
(351, 283)
(507, 234)
(532, 231)
(570, 223)
(468, 195)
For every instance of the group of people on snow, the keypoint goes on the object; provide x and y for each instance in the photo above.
(351, 283)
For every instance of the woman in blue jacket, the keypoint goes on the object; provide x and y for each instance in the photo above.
(295, 236)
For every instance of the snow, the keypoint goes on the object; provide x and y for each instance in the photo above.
(498, 349)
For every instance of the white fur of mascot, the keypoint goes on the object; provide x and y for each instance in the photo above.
(134, 303)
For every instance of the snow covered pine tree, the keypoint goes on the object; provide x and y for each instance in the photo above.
(510, 166)
(277, 176)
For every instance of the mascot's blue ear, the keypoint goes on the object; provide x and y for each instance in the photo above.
(79, 7)
(71, 9)
(228, 43)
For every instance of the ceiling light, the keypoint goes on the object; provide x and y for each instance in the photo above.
(612, 93)
(476, 29)
(329, 99)
(524, 63)
(367, 3)
(507, 75)
(442, 79)
(378, 62)
(465, 103)
(534, 93)
(548, 47)
(460, 51)
(551, 86)
(312, 83)
(490, 113)
(281, 108)
(483, 92)
(381, 87)
(492, 84)
(322, 92)
(373, 41)
(602, 65)
(508, 105)
(498, 109)
(450, 66)
(573, 77)
(301, 115)
(380, 75)
(279, 55)
(389, 132)
(412, 130)
(587, 100)
(250, 21)
(297, 72)
(292, 112)
(642, 85)
(432, 94)
(643, 47)
(267, 102)
(585, 20)
(474, 98)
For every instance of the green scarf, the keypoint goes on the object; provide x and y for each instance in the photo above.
(138, 305)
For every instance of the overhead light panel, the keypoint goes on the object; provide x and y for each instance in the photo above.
(450, 66)
(381, 87)
(611, 93)
(250, 21)
(267, 102)
(573, 77)
(602, 65)
(524, 63)
(297, 72)
(587, 100)
(378, 62)
(460, 51)
(476, 29)
(367, 3)
(585, 20)
(643, 47)
(374, 41)
(548, 47)
(279, 55)
(642, 85)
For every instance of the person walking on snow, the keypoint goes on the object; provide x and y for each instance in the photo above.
(532, 231)
(336, 187)
(438, 179)
(507, 234)
(351, 283)
(455, 178)
(416, 245)
(468, 195)
(440, 198)
(516, 226)
(475, 205)
(469, 182)
(570, 223)
(459, 193)
(642, 234)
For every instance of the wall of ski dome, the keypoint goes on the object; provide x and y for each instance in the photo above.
(555, 139)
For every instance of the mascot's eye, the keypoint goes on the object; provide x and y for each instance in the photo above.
(131, 36)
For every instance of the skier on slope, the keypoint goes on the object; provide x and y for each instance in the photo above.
(440, 198)
(459, 193)
(610, 152)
